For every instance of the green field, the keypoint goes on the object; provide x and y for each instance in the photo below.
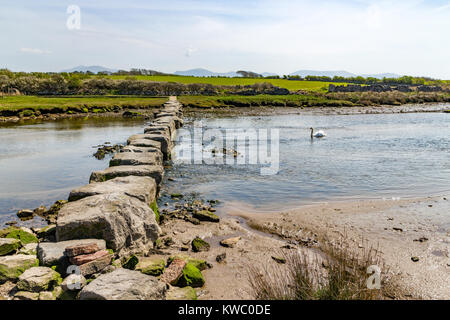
(77, 102)
(222, 81)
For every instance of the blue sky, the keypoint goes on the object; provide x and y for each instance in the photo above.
(281, 36)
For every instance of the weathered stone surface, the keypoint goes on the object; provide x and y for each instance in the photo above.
(124, 284)
(230, 242)
(25, 214)
(46, 296)
(96, 265)
(186, 293)
(52, 253)
(205, 215)
(151, 266)
(85, 258)
(127, 224)
(8, 245)
(47, 233)
(37, 279)
(200, 245)
(81, 249)
(30, 249)
(178, 122)
(155, 172)
(134, 149)
(166, 122)
(174, 272)
(11, 267)
(24, 295)
(165, 140)
(142, 188)
(153, 128)
(144, 143)
(73, 282)
(199, 263)
(136, 159)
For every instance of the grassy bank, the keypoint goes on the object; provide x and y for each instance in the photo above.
(15, 105)
(315, 86)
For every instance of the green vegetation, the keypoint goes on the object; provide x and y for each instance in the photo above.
(23, 236)
(154, 207)
(192, 277)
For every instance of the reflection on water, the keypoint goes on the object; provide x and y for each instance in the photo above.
(42, 162)
(363, 156)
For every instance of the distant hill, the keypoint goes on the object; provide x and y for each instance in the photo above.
(93, 69)
(341, 73)
(199, 72)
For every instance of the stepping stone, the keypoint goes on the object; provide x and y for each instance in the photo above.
(142, 188)
(156, 172)
(136, 159)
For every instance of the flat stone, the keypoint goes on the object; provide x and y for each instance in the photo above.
(127, 224)
(151, 266)
(24, 295)
(230, 242)
(73, 282)
(37, 279)
(165, 140)
(11, 267)
(8, 245)
(154, 128)
(142, 188)
(52, 253)
(96, 265)
(124, 284)
(155, 172)
(136, 159)
(85, 258)
(178, 122)
(24, 214)
(186, 293)
(167, 122)
(205, 215)
(81, 249)
(46, 296)
(173, 272)
(145, 143)
(133, 149)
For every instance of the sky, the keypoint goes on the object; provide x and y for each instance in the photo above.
(280, 36)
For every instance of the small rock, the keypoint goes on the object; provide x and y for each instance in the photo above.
(221, 257)
(200, 245)
(397, 229)
(414, 259)
(421, 239)
(191, 276)
(230, 242)
(8, 245)
(25, 214)
(151, 266)
(280, 260)
(173, 272)
(40, 211)
(46, 295)
(73, 282)
(186, 293)
(131, 263)
(30, 249)
(205, 215)
(24, 295)
(85, 258)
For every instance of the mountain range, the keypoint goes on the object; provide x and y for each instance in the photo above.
(200, 72)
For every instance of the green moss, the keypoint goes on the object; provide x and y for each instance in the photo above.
(9, 247)
(23, 236)
(154, 207)
(14, 272)
(205, 215)
(199, 245)
(199, 263)
(176, 195)
(154, 267)
(191, 277)
(6, 231)
(131, 262)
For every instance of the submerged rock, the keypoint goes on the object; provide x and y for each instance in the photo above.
(127, 224)
(124, 284)
(142, 188)
(156, 172)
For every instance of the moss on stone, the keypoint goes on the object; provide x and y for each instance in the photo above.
(191, 277)
(131, 263)
(153, 267)
(7, 248)
(12, 273)
(205, 215)
(198, 245)
(199, 263)
(186, 293)
(154, 207)
(23, 236)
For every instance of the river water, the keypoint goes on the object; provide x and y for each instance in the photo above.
(42, 162)
(363, 156)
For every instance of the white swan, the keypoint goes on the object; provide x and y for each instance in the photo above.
(318, 134)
